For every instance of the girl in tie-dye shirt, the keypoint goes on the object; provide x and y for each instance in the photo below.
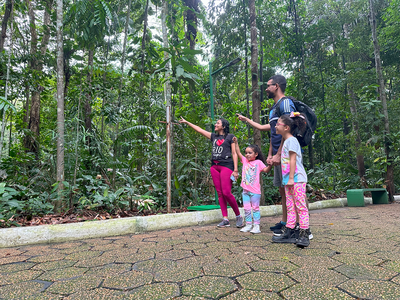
(294, 179)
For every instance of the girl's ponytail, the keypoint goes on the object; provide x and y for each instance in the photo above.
(295, 121)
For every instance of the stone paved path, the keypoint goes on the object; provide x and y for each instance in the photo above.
(355, 254)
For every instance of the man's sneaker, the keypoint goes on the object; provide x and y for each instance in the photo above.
(278, 232)
(287, 236)
(256, 229)
(224, 223)
(277, 226)
(239, 221)
(246, 228)
(303, 240)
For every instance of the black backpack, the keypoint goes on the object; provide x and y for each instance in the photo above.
(304, 137)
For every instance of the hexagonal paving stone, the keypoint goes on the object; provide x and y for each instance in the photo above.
(190, 246)
(108, 247)
(371, 289)
(357, 258)
(10, 268)
(212, 251)
(350, 247)
(83, 255)
(97, 242)
(317, 275)
(248, 294)
(396, 279)
(277, 255)
(74, 285)
(307, 292)
(6, 252)
(265, 281)
(60, 274)
(178, 273)
(174, 254)
(355, 271)
(314, 252)
(134, 258)
(128, 280)
(43, 296)
(275, 266)
(386, 255)
(228, 269)
(153, 265)
(48, 257)
(98, 294)
(80, 248)
(323, 262)
(13, 259)
(109, 270)
(208, 286)
(20, 290)
(157, 248)
(254, 243)
(66, 245)
(95, 261)
(234, 258)
(24, 275)
(156, 291)
(392, 265)
(52, 265)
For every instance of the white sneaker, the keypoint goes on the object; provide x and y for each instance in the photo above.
(246, 228)
(256, 229)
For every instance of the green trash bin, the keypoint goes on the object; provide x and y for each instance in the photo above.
(355, 197)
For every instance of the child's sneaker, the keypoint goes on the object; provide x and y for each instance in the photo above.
(224, 223)
(239, 221)
(310, 235)
(256, 229)
(303, 240)
(287, 236)
(246, 228)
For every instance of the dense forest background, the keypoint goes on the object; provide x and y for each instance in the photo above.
(86, 86)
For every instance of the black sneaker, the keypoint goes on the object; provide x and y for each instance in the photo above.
(277, 226)
(287, 236)
(303, 240)
(278, 232)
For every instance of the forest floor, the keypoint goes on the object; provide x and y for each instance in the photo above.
(74, 215)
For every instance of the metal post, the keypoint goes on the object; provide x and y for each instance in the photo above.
(168, 111)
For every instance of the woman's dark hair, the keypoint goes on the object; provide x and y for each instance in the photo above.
(225, 124)
(294, 123)
(257, 150)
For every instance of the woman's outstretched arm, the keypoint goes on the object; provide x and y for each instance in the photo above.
(196, 128)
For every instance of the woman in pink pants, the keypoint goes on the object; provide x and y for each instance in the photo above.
(224, 164)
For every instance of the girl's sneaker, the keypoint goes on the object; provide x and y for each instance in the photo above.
(224, 223)
(246, 228)
(256, 229)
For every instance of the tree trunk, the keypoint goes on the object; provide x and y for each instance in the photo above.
(382, 96)
(60, 105)
(167, 94)
(144, 38)
(254, 72)
(88, 103)
(191, 21)
(31, 140)
(246, 67)
(7, 14)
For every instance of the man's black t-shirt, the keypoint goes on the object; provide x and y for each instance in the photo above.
(222, 151)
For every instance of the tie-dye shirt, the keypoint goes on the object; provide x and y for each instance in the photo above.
(251, 175)
(300, 175)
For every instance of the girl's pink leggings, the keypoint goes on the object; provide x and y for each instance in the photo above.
(296, 201)
(223, 184)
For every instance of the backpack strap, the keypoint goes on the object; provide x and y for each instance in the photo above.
(278, 106)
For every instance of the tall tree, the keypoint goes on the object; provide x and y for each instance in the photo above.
(4, 22)
(36, 64)
(382, 96)
(60, 102)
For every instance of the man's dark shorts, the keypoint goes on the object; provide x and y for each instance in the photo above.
(278, 176)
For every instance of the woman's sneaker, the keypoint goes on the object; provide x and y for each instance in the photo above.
(239, 221)
(224, 223)
(256, 229)
(246, 228)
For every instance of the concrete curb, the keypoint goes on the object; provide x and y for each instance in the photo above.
(20, 236)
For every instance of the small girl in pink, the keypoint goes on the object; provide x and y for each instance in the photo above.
(253, 164)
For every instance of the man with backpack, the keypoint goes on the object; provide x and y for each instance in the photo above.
(276, 86)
